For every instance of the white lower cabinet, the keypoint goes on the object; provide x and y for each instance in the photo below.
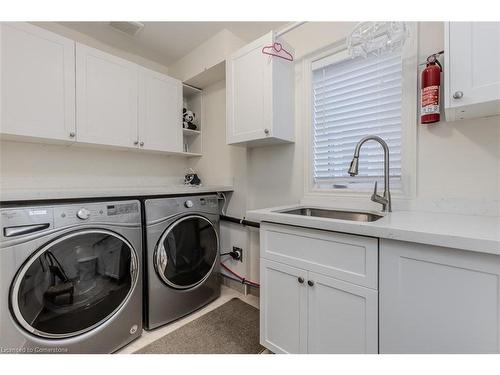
(438, 300)
(283, 318)
(304, 311)
(342, 317)
(325, 292)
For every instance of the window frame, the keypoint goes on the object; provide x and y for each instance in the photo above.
(408, 119)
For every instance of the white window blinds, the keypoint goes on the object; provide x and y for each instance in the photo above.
(353, 98)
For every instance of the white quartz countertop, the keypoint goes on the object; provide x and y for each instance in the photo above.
(33, 194)
(466, 232)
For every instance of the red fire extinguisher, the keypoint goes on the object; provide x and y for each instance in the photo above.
(430, 98)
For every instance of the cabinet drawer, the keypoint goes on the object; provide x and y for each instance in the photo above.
(343, 256)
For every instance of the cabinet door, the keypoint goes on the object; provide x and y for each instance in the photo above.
(160, 112)
(342, 317)
(474, 60)
(248, 90)
(283, 308)
(106, 98)
(438, 300)
(37, 83)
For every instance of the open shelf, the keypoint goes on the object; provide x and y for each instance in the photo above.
(190, 132)
(191, 139)
(191, 154)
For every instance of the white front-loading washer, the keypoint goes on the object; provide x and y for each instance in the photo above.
(182, 256)
(71, 279)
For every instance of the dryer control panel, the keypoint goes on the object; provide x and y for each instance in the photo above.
(160, 208)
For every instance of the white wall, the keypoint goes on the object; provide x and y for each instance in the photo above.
(223, 164)
(37, 166)
(458, 166)
(56, 167)
(89, 41)
(458, 163)
(208, 54)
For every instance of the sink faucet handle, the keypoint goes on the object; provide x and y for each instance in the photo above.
(379, 198)
(374, 190)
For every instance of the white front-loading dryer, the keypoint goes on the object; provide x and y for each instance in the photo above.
(71, 279)
(182, 256)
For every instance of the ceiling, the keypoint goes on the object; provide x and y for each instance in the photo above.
(166, 42)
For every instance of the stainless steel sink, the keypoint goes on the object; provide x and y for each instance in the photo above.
(333, 214)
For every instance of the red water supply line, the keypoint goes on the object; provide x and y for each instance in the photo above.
(243, 280)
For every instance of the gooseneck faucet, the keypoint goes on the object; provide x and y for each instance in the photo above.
(384, 200)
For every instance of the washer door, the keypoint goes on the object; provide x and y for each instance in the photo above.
(74, 284)
(187, 252)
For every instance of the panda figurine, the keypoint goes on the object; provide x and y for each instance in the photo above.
(188, 119)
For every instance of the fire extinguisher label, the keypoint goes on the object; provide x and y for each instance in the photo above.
(430, 100)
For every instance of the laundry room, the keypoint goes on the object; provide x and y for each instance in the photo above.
(283, 181)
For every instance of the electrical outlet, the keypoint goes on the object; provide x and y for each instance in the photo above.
(239, 251)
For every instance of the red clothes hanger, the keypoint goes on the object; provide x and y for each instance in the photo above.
(276, 49)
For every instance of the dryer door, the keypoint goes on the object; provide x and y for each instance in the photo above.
(187, 252)
(74, 283)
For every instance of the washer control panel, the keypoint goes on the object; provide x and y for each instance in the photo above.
(21, 221)
(121, 209)
(116, 212)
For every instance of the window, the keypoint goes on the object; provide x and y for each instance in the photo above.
(353, 98)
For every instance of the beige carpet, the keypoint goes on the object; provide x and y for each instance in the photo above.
(232, 328)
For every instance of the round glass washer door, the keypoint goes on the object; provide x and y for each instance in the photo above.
(74, 283)
(187, 252)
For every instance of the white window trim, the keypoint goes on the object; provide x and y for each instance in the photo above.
(408, 121)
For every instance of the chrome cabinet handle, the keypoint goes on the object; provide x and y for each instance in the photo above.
(136, 143)
(310, 282)
(266, 131)
(141, 144)
(300, 280)
(458, 95)
(72, 134)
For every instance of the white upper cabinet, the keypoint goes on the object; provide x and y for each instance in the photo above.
(37, 83)
(472, 73)
(106, 98)
(49, 95)
(160, 112)
(260, 96)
